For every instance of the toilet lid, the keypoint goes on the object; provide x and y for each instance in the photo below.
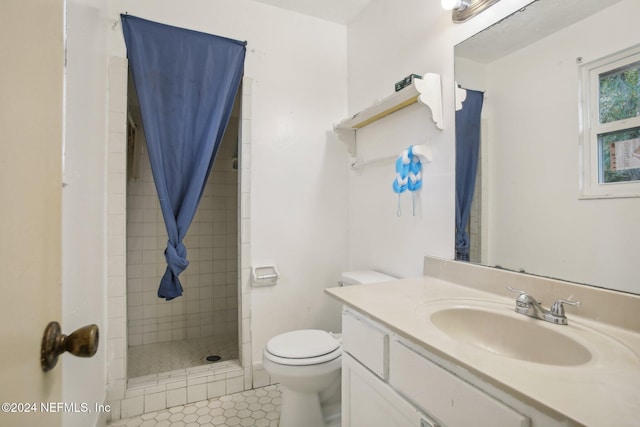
(302, 344)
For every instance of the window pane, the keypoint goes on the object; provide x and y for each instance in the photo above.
(619, 94)
(619, 154)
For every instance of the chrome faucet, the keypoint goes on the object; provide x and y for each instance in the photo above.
(527, 305)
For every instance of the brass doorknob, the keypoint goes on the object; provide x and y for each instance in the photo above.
(82, 343)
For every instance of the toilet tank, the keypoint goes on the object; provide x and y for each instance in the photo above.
(363, 277)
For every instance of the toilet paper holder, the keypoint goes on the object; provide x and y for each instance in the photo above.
(264, 276)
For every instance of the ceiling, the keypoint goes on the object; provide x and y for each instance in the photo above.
(541, 18)
(338, 11)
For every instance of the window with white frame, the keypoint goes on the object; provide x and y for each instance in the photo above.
(610, 140)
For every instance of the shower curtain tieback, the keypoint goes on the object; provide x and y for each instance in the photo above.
(176, 257)
(186, 83)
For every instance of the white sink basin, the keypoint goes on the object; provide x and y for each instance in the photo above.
(510, 334)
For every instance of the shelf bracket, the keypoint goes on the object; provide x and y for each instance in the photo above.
(348, 136)
(430, 94)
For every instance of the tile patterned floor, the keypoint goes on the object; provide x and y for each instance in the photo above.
(251, 408)
(149, 359)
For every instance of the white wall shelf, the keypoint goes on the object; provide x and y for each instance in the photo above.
(427, 91)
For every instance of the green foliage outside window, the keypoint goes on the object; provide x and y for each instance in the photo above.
(605, 142)
(619, 100)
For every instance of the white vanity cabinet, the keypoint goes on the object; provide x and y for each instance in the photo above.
(369, 401)
(454, 401)
(386, 382)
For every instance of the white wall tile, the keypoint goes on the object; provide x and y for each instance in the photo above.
(116, 390)
(235, 384)
(135, 339)
(196, 393)
(216, 389)
(155, 402)
(132, 406)
(176, 397)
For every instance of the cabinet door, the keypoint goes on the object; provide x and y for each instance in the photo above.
(369, 402)
(366, 343)
(449, 398)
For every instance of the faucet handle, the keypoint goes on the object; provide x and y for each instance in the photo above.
(523, 300)
(519, 291)
(557, 309)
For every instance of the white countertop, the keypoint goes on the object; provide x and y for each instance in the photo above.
(605, 391)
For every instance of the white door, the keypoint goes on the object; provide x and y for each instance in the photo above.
(31, 94)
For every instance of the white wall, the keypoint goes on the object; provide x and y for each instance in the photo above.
(298, 200)
(84, 207)
(538, 223)
(387, 42)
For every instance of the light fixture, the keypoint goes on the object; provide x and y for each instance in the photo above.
(463, 10)
(453, 4)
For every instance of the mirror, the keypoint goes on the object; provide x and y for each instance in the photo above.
(527, 214)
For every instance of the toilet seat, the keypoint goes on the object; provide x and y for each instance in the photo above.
(303, 347)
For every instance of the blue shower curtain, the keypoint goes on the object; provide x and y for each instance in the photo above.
(186, 83)
(467, 150)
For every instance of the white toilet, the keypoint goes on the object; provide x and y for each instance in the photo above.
(307, 365)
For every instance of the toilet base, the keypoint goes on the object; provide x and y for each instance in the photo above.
(305, 409)
(300, 409)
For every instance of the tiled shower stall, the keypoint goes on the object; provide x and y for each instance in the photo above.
(137, 318)
(205, 317)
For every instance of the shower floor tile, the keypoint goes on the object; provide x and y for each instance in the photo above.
(155, 358)
(259, 407)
